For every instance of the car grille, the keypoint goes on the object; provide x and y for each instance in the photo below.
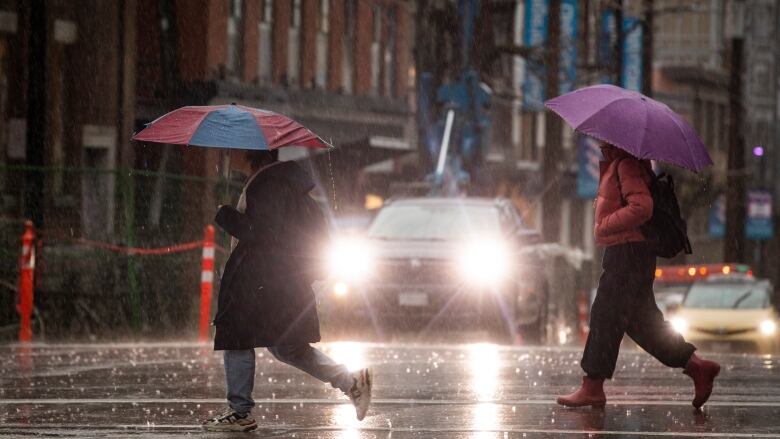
(723, 331)
(727, 346)
(415, 272)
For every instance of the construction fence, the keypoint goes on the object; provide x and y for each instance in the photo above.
(118, 254)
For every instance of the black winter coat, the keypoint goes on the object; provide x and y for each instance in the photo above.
(265, 295)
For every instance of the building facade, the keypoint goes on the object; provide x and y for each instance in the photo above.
(692, 63)
(78, 77)
(341, 67)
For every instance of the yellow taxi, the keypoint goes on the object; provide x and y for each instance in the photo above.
(729, 313)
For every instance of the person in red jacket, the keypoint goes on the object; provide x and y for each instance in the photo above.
(625, 303)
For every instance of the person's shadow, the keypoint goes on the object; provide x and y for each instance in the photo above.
(700, 417)
(583, 420)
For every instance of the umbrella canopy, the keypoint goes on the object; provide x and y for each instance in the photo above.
(229, 126)
(643, 127)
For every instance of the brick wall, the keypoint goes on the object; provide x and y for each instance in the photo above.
(281, 26)
(203, 42)
(403, 49)
(251, 40)
(191, 22)
(335, 48)
(216, 44)
(309, 27)
(364, 33)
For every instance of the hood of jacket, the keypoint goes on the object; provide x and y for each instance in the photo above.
(612, 153)
(290, 173)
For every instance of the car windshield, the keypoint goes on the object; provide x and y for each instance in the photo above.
(432, 222)
(727, 296)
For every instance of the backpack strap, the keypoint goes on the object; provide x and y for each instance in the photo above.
(652, 175)
(623, 201)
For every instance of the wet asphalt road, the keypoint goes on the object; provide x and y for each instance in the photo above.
(421, 391)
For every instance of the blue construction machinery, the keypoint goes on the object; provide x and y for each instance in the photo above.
(455, 115)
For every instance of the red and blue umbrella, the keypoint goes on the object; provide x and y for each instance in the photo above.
(229, 126)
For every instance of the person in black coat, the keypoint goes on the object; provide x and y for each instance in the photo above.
(265, 295)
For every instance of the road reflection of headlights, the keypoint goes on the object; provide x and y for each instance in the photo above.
(484, 262)
(679, 325)
(350, 260)
(768, 327)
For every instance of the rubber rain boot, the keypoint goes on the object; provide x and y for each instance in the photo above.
(703, 373)
(591, 393)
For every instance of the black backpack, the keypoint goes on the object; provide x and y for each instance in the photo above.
(666, 232)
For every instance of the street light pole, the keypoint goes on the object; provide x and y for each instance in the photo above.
(551, 158)
(620, 37)
(36, 113)
(734, 244)
(647, 49)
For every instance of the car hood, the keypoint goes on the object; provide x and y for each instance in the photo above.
(416, 249)
(713, 319)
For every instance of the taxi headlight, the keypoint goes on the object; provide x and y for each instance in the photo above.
(484, 262)
(350, 260)
(340, 289)
(679, 324)
(768, 327)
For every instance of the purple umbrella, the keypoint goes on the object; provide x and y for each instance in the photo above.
(643, 127)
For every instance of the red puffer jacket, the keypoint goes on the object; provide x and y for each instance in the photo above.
(624, 202)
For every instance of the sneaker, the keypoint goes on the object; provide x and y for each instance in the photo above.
(360, 393)
(230, 420)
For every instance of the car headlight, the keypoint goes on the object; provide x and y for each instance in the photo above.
(679, 325)
(350, 260)
(768, 327)
(340, 289)
(484, 262)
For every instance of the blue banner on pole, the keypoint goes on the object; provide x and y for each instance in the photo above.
(534, 34)
(631, 71)
(588, 157)
(568, 69)
(759, 224)
(535, 31)
(606, 54)
(717, 218)
(632, 54)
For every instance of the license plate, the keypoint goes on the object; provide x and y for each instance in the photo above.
(413, 299)
(721, 347)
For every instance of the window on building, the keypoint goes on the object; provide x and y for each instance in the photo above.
(528, 137)
(348, 46)
(235, 38)
(709, 124)
(376, 47)
(265, 33)
(721, 129)
(98, 188)
(389, 54)
(294, 45)
(323, 28)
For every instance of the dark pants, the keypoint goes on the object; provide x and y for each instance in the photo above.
(625, 304)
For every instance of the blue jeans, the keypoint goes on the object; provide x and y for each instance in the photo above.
(240, 371)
